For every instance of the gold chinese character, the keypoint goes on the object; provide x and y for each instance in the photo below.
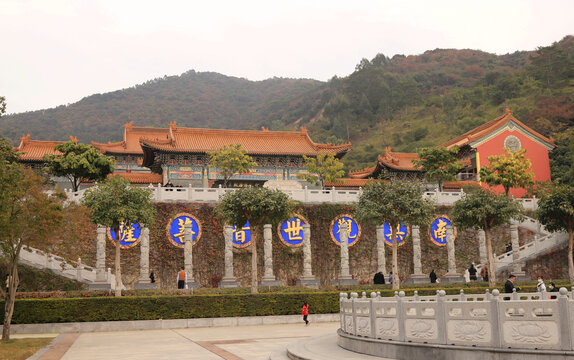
(127, 233)
(240, 235)
(181, 227)
(400, 234)
(440, 232)
(349, 226)
(294, 229)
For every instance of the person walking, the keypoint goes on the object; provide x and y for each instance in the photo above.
(181, 278)
(432, 277)
(472, 272)
(305, 313)
(509, 285)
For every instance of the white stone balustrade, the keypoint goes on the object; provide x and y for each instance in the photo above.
(74, 270)
(333, 195)
(499, 321)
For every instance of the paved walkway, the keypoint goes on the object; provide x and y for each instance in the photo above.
(230, 343)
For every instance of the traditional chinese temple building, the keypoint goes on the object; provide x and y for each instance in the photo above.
(475, 146)
(181, 155)
(32, 151)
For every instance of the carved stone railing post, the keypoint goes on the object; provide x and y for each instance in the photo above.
(440, 316)
(268, 278)
(308, 279)
(228, 279)
(565, 325)
(188, 256)
(494, 319)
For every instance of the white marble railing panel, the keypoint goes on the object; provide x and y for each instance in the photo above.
(532, 324)
(522, 321)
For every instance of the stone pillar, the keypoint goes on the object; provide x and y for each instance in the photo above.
(205, 177)
(102, 282)
(451, 275)
(345, 278)
(144, 281)
(516, 266)
(417, 276)
(268, 278)
(381, 260)
(228, 279)
(482, 247)
(188, 257)
(307, 279)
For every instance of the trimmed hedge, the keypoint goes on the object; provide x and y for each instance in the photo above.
(58, 310)
(89, 309)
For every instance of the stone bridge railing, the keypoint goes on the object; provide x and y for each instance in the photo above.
(493, 321)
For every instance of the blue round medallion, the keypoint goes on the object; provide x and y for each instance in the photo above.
(129, 236)
(401, 233)
(176, 228)
(241, 236)
(291, 231)
(354, 232)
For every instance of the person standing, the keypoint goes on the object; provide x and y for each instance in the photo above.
(472, 272)
(484, 272)
(305, 313)
(391, 278)
(181, 278)
(540, 286)
(152, 277)
(509, 285)
(379, 278)
(432, 277)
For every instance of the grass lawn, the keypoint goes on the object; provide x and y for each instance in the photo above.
(21, 349)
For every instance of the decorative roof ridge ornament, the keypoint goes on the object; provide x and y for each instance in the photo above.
(263, 128)
(303, 130)
(74, 139)
(508, 112)
(25, 139)
(129, 125)
(172, 128)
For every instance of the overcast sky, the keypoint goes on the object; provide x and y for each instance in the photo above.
(55, 52)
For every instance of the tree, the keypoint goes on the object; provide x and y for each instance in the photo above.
(259, 206)
(2, 105)
(511, 170)
(79, 163)
(556, 212)
(116, 202)
(28, 216)
(483, 209)
(325, 167)
(392, 202)
(439, 164)
(231, 160)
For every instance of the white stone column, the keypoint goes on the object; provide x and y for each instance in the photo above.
(344, 237)
(418, 269)
(144, 257)
(268, 253)
(188, 256)
(381, 260)
(307, 270)
(450, 248)
(308, 279)
(228, 278)
(482, 247)
(516, 266)
(101, 255)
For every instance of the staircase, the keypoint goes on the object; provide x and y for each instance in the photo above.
(543, 242)
(74, 270)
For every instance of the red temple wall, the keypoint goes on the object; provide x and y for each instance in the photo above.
(537, 153)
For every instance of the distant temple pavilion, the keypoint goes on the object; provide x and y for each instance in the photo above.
(475, 146)
(180, 155)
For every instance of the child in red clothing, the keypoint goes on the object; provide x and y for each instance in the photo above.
(305, 312)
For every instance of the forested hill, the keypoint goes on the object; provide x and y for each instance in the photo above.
(193, 99)
(402, 102)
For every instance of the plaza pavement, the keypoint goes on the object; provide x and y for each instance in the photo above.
(255, 342)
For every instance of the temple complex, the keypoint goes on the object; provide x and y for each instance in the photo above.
(475, 146)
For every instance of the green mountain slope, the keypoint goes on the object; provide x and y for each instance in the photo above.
(403, 102)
